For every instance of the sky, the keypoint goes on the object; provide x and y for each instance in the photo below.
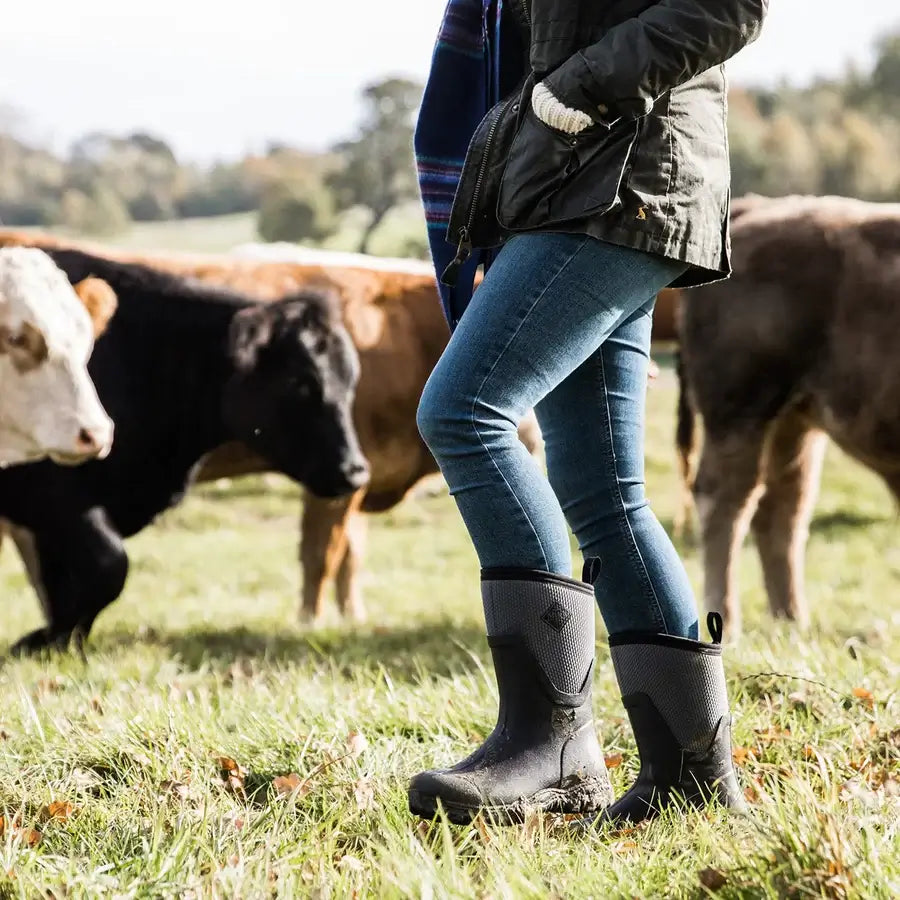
(218, 78)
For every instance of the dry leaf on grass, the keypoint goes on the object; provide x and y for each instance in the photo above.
(291, 785)
(482, 829)
(740, 755)
(613, 761)
(28, 836)
(865, 696)
(49, 685)
(174, 789)
(364, 793)
(97, 706)
(713, 879)
(624, 846)
(233, 774)
(356, 744)
(4, 734)
(58, 811)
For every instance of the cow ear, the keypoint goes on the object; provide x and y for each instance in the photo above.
(99, 300)
(249, 331)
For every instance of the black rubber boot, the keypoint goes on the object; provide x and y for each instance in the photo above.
(674, 691)
(543, 753)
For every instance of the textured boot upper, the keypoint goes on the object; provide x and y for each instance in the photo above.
(684, 679)
(554, 616)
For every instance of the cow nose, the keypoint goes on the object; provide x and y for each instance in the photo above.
(356, 473)
(87, 442)
(94, 441)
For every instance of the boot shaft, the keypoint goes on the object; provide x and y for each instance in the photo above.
(554, 620)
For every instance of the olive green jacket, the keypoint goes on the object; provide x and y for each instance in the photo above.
(653, 172)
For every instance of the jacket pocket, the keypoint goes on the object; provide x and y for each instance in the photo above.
(552, 178)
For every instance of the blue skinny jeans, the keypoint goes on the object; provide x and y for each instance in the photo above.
(561, 324)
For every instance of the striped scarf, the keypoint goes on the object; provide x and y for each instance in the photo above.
(462, 86)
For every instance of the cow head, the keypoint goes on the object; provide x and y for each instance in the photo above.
(48, 405)
(291, 396)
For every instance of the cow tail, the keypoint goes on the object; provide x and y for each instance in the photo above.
(685, 442)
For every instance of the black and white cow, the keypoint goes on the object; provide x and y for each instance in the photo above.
(182, 368)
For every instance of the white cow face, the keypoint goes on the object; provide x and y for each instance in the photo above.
(48, 404)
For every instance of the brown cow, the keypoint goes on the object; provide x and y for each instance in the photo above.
(800, 344)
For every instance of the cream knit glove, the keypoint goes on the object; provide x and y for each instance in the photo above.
(552, 112)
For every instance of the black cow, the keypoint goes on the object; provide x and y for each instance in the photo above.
(182, 368)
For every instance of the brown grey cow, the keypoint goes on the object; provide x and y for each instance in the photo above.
(800, 345)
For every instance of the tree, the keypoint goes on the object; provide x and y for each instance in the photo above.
(376, 170)
(293, 211)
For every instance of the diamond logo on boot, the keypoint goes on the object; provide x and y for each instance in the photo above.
(556, 616)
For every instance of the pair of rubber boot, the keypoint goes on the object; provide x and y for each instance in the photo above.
(543, 753)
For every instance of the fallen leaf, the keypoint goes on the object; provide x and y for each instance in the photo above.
(233, 774)
(356, 744)
(713, 879)
(236, 785)
(227, 764)
(50, 685)
(4, 735)
(624, 846)
(772, 733)
(482, 829)
(740, 755)
(364, 793)
(175, 788)
(28, 836)
(613, 761)
(233, 861)
(97, 706)
(58, 811)
(751, 794)
(286, 785)
(864, 695)
(235, 820)
(809, 752)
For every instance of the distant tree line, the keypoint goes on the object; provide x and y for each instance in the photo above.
(839, 136)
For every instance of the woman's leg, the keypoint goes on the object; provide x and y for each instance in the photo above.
(546, 305)
(593, 428)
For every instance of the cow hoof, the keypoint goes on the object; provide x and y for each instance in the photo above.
(311, 619)
(356, 616)
(43, 640)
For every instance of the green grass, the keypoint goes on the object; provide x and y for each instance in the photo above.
(202, 658)
(401, 229)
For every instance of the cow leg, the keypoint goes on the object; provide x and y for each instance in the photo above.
(26, 544)
(781, 524)
(726, 488)
(349, 591)
(323, 544)
(82, 567)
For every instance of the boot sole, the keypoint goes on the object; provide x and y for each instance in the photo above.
(589, 797)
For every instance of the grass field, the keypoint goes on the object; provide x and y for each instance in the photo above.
(112, 782)
(401, 229)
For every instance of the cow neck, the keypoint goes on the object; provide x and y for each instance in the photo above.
(191, 364)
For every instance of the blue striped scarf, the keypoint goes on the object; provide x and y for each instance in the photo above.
(462, 86)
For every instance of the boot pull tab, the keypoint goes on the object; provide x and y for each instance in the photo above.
(591, 570)
(715, 626)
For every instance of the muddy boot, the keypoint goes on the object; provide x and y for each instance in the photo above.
(543, 753)
(674, 691)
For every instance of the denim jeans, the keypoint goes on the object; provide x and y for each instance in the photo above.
(560, 324)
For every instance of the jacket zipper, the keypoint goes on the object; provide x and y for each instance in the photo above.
(450, 275)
